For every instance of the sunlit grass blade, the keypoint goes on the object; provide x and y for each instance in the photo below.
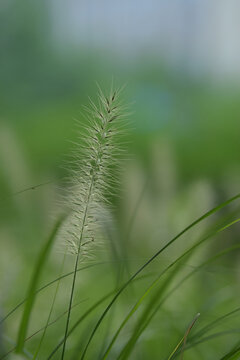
(31, 294)
(197, 221)
(184, 338)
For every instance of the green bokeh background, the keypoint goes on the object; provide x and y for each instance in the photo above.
(184, 137)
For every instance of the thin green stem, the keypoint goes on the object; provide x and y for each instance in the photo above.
(75, 268)
(51, 310)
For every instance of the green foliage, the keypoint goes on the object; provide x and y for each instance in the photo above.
(31, 294)
(126, 303)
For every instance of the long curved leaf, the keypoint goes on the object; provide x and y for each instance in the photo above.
(46, 286)
(128, 347)
(233, 354)
(212, 337)
(197, 221)
(85, 315)
(150, 288)
(37, 332)
(33, 286)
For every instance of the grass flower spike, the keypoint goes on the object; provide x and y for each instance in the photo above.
(91, 179)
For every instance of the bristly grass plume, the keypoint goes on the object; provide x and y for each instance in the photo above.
(92, 179)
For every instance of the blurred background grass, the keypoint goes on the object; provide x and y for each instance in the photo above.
(180, 63)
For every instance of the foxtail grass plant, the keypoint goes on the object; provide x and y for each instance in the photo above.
(91, 180)
(92, 184)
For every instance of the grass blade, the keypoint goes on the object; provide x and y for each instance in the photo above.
(93, 307)
(37, 332)
(46, 286)
(128, 347)
(50, 312)
(197, 221)
(152, 286)
(134, 309)
(184, 339)
(33, 285)
(212, 337)
(233, 354)
(211, 325)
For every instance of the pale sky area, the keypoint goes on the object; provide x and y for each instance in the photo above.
(201, 35)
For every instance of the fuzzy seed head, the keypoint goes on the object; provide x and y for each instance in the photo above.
(92, 178)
